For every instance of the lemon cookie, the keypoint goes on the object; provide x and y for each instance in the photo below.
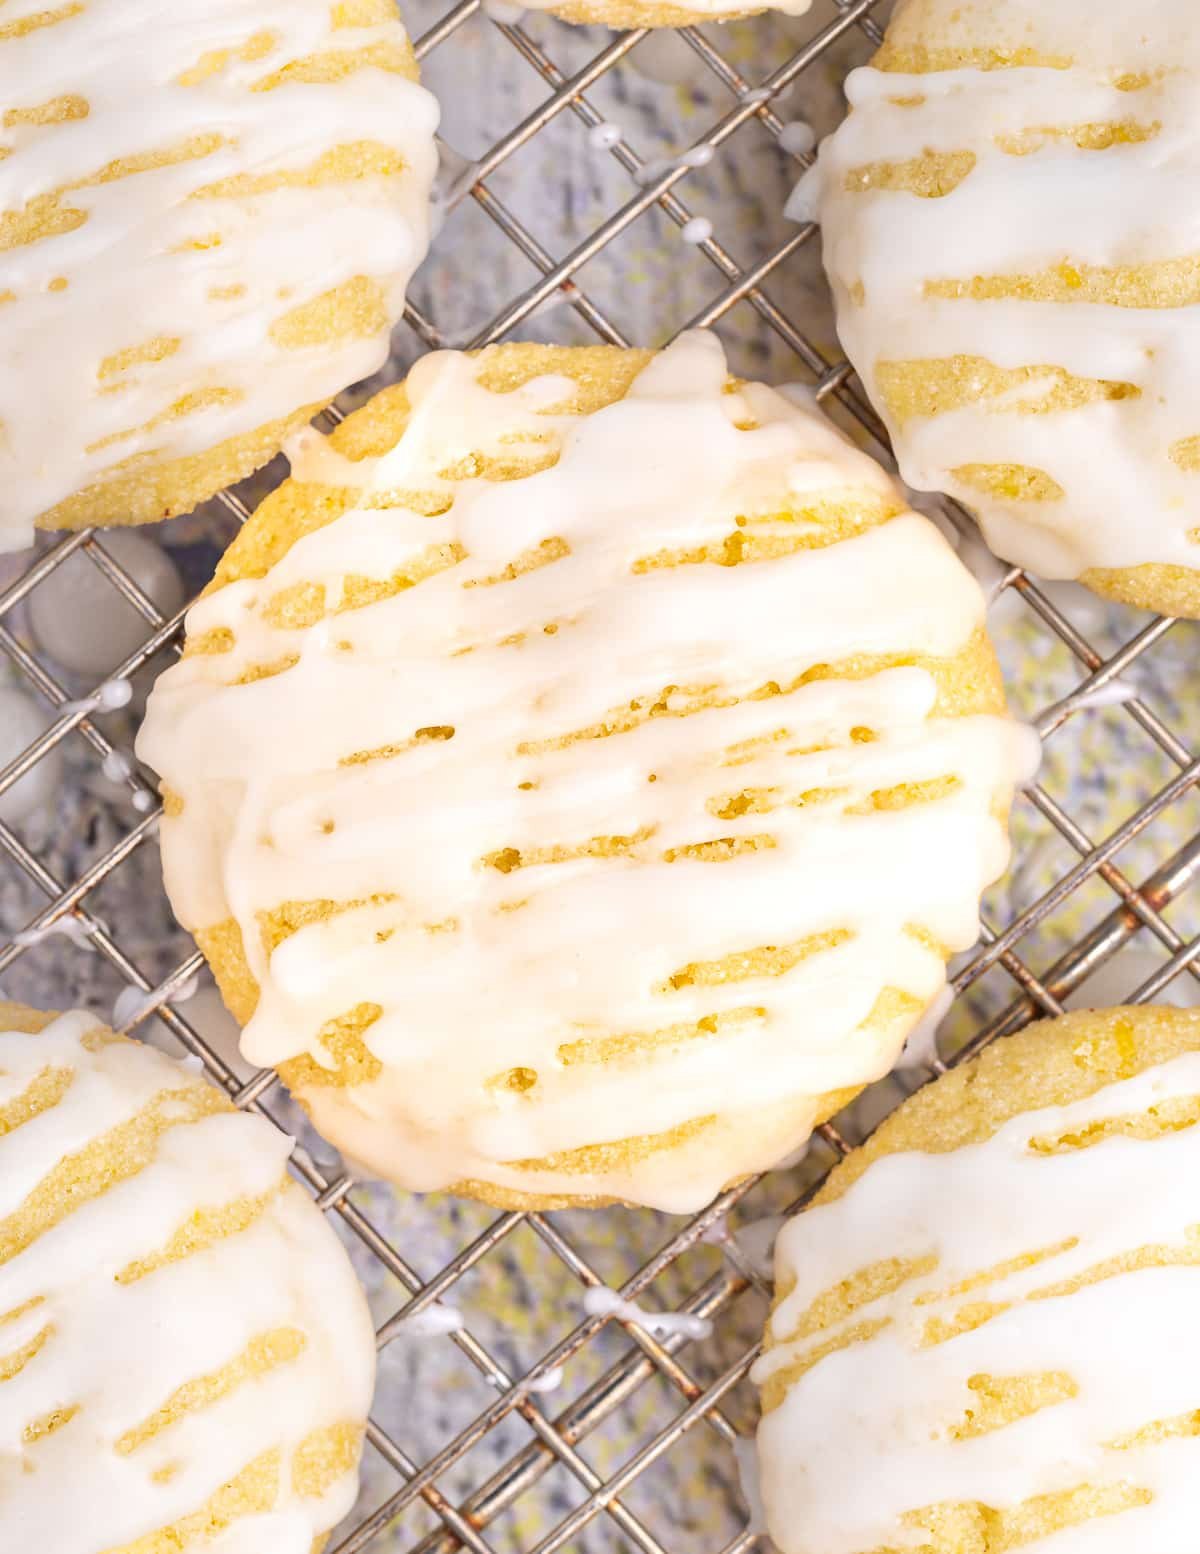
(208, 217)
(579, 773)
(984, 1330)
(185, 1355)
(1008, 220)
(658, 13)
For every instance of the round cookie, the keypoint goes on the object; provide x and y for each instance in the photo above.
(659, 13)
(183, 286)
(579, 773)
(185, 1355)
(1007, 216)
(984, 1328)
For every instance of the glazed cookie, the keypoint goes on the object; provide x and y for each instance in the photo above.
(183, 285)
(660, 13)
(984, 1329)
(1007, 216)
(579, 773)
(185, 1355)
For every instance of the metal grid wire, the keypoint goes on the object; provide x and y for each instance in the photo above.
(541, 1486)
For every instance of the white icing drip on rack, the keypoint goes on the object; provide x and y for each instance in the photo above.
(1113, 693)
(438, 1318)
(746, 1458)
(68, 925)
(650, 172)
(604, 136)
(603, 1302)
(921, 1045)
(111, 696)
(1087, 698)
(880, 1412)
(1056, 207)
(504, 12)
(271, 812)
(143, 265)
(988, 570)
(117, 766)
(797, 137)
(122, 1348)
(457, 175)
(131, 1005)
(803, 204)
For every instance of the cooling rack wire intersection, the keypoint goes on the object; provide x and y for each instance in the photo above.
(628, 188)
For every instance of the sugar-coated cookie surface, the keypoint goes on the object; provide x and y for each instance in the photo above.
(209, 213)
(579, 774)
(661, 13)
(186, 1359)
(1009, 220)
(984, 1335)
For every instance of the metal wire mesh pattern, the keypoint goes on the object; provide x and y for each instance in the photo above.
(547, 1424)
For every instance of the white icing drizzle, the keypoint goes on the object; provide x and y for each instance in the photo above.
(881, 1411)
(504, 12)
(719, 8)
(312, 459)
(117, 766)
(457, 175)
(111, 696)
(797, 137)
(746, 1459)
(988, 570)
(132, 1005)
(1113, 693)
(921, 1046)
(1055, 207)
(651, 171)
(120, 1349)
(68, 925)
(538, 956)
(604, 136)
(802, 205)
(438, 1318)
(130, 273)
(603, 1302)
(1087, 698)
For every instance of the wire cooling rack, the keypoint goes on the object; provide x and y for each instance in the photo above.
(619, 186)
